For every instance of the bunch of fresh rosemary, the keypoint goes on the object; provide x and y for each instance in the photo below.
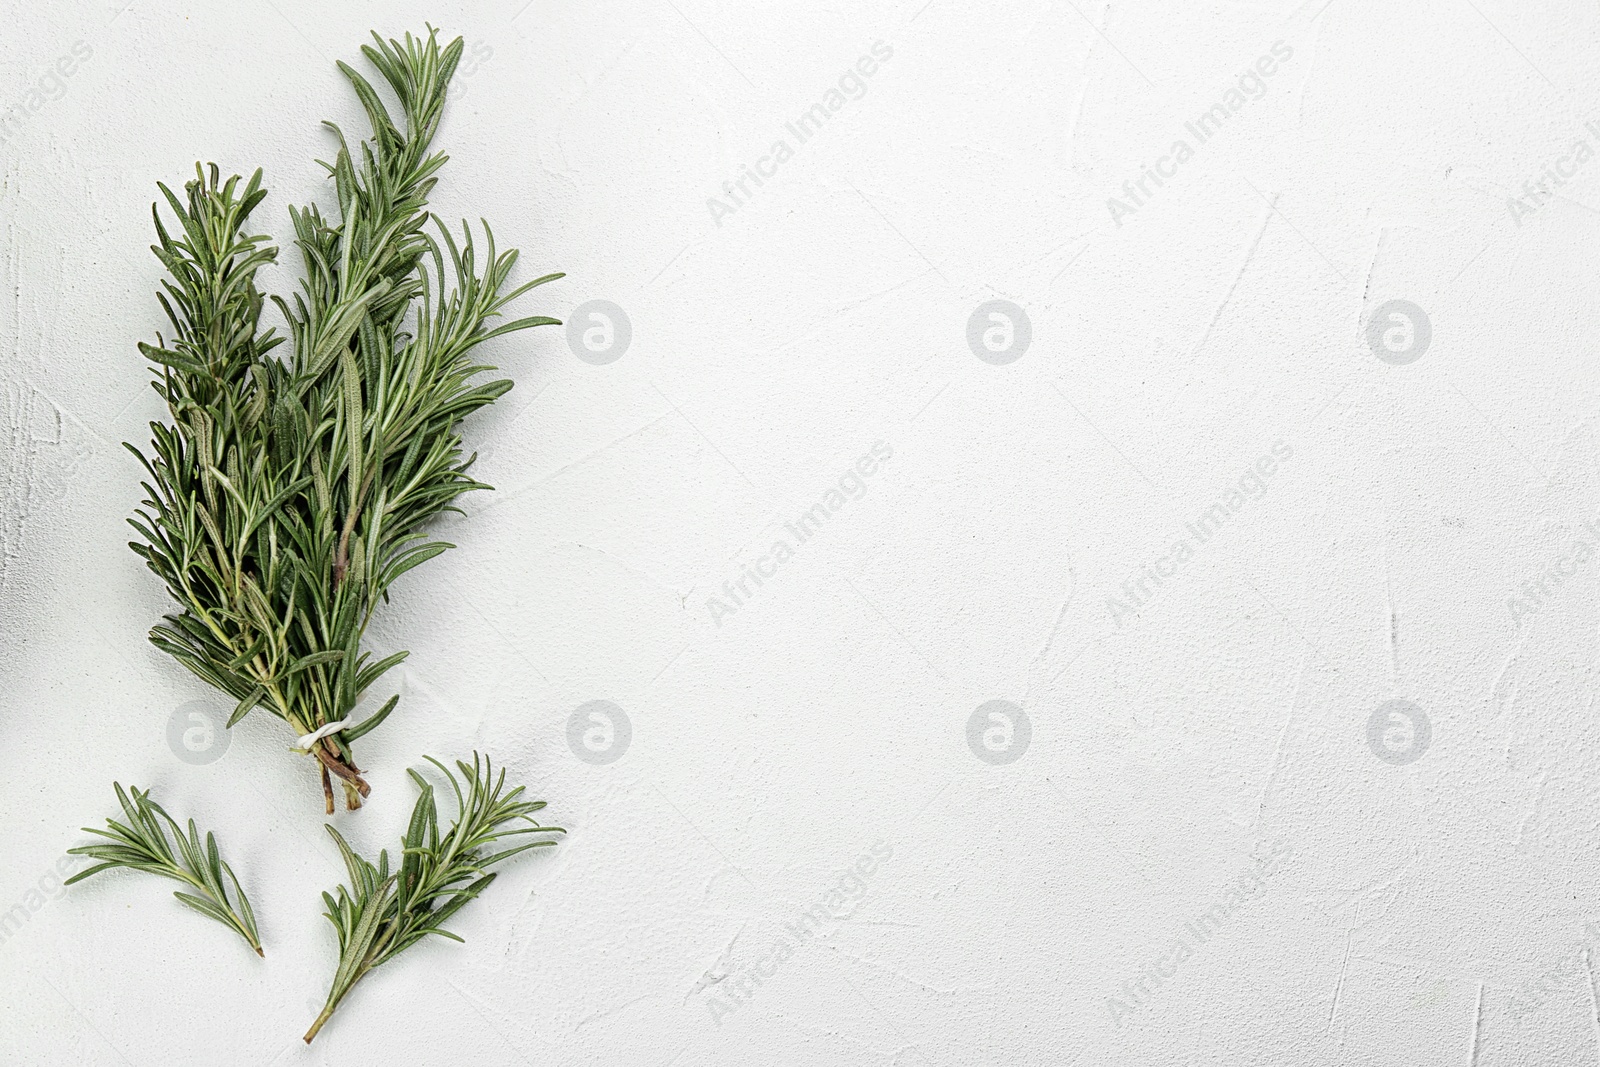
(287, 496)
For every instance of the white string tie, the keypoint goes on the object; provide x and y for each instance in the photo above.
(307, 740)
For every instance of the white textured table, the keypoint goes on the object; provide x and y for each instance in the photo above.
(1085, 526)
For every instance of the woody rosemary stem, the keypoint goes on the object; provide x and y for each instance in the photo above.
(335, 998)
(328, 759)
(337, 994)
(349, 775)
(327, 1013)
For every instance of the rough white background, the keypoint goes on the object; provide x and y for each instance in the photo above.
(1431, 912)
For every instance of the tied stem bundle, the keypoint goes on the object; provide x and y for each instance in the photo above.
(286, 496)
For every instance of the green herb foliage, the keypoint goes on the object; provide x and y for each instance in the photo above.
(286, 496)
(141, 844)
(382, 913)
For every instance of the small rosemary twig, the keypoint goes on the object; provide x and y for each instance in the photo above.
(383, 913)
(142, 845)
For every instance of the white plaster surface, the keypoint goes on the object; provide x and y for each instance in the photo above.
(1206, 748)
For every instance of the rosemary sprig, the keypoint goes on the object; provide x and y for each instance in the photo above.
(141, 845)
(286, 497)
(381, 914)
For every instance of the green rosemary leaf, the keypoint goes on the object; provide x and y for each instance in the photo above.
(205, 907)
(314, 660)
(168, 358)
(382, 125)
(508, 853)
(519, 324)
(91, 871)
(245, 706)
(414, 558)
(270, 508)
(372, 673)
